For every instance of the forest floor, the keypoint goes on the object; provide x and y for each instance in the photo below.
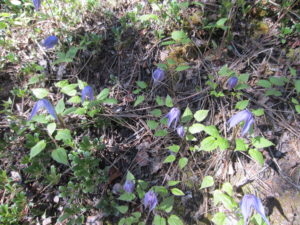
(114, 47)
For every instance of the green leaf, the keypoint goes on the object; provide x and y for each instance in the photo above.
(219, 218)
(160, 133)
(212, 130)
(110, 101)
(60, 107)
(61, 83)
(173, 182)
(159, 101)
(60, 155)
(208, 181)
(177, 192)
(295, 101)
(171, 61)
(103, 94)
(35, 150)
(261, 142)
(75, 99)
(208, 144)
(225, 71)
(69, 89)
(200, 115)
(228, 202)
(182, 68)
(242, 104)
(258, 112)
(174, 148)
(187, 115)
(227, 187)
(162, 66)
(257, 155)
(156, 112)
(148, 17)
(182, 162)
(297, 86)
(169, 102)
(40, 92)
(278, 81)
(127, 197)
(152, 124)
(196, 128)
(240, 145)
(139, 100)
(273, 92)
(179, 35)
(122, 208)
(221, 22)
(297, 108)
(167, 204)
(264, 83)
(81, 84)
(158, 220)
(161, 190)
(222, 143)
(175, 220)
(51, 128)
(170, 159)
(141, 84)
(244, 77)
(64, 135)
(241, 86)
(130, 176)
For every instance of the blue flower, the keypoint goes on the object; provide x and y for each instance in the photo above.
(50, 41)
(128, 186)
(245, 116)
(87, 92)
(180, 131)
(251, 201)
(158, 75)
(232, 82)
(37, 4)
(173, 115)
(150, 200)
(43, 103)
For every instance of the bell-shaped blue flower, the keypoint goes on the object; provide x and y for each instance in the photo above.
(37, 4)
(251, 201)
(87, 93)
(128, 186)
(50, 41)
(150, 200)
(232, 82)
(43, 103)
(173, 115)
(180, 131)
(245, 116)
(158, 75)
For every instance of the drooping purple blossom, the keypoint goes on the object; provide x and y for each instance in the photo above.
(158, 75)
(37, 4)
(128, 186)
(251, 201)
(245, 116)
(43, 103)
(50, 41)
(232, 82)
(180, 131)
(173, 115)
(150, 200)
(87, 92)
(117, 188)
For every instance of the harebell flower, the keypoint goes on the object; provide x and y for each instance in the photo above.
(251, 201)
